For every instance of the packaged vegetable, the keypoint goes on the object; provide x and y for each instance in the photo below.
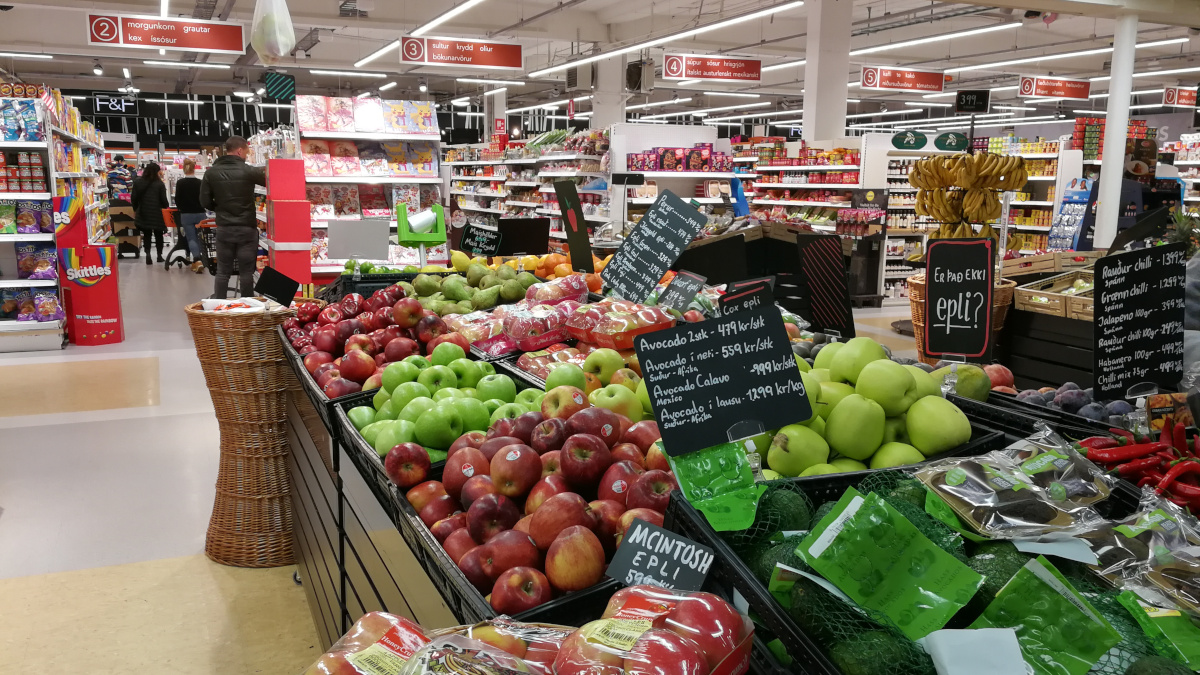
(1053, 465)
(271, 32)
(1172, 632)
(460, 655)
(618, 328)
(1128, 548)
(376, 643)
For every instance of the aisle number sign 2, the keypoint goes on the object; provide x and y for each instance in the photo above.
(152, 32)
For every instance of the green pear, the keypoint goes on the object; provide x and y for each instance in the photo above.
(485, 298)
(511, 289)
(527, 279)
(854, 428)
(926, 385)
(819, 470)
(895, 430)
(489, 280)
(895, 454)
(822, 374)
(889, 384)
(505, 273)
(455, 288)
(795, 448)
(802, 364)
(936, 425)
(846, 465)
(425, 284)
(831, 394)
(851, 359)
(825, 356)
(476, 272)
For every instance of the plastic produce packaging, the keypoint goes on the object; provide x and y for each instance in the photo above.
(541, 362)
(1128, 548)
(646, 630)
(460, 655)
(625, 320)
(475, 326)
(376, 643)
(536, 644)
(572, 287)
(1054, 466)
(271, 33)
(538, 326)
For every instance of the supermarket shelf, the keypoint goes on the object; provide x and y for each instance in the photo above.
(493, 195)
(40, 236)
(558, 235)
(569, 174)
(72, 137)
(700, 200)
(526, 160)
(18, 145)
(523, 183)
(519, 203)
(563, 157)
(595, 218)
(818, 226)
(685, 174)
(1037, 155)
(905, 233)
(476, 163)
(1042, 178)
(1031, 228)
(901, 189)
(793, 186)
(1191, 199)
(468, 207)
(369, 136)
(746, 159)
(899, 274)
(824, 167)
(75, 174)
(328, 269)
(95, 205)
(1178, 162)
(787, 202)
(261, 215)
(895, 302)
(487, 178)
(20, 326)
(25, 283)
(24, 195)
(550, 190)
(370, 180)
(1031, 203)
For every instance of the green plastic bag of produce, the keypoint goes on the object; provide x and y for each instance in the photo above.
(1171, 630)
(1060, 632)
(271, 33)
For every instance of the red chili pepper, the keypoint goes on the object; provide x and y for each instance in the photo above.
(1099, 442)
(1179, 432)
(1185, 489)
(1146, 480)
(1127, 435)
(1168, 455)
(1165, 435)
(1178, 501)
(1195, 446)
(1181, 467)
(1124, 453)
(1139, 466)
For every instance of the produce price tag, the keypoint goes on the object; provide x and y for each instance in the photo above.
(480, 240)
(653, 246)
(972, 100)
(277, 286)
(744, 298)
(709, 380)
(575, 225)
(958, 298)
(651, 555)
(1139, 319)
(680, 292)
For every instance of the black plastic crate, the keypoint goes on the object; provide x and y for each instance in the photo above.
(1018, 419)
(364, 457)
(1063, 418)
(366, 284)
(508, 366)
(325, 406)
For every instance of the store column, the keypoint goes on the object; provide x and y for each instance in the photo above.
(1108, 202)
(495, 119)
(608, 98)
(828, 61)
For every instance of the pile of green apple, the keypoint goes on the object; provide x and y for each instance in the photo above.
(481, 289)
(869, 412)
(606, 381)
(435, 399)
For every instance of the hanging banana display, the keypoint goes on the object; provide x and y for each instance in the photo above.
(960, 189)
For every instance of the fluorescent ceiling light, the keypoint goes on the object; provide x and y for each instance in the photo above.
(243, 94)
(641, 120)
(385, 87)
(734, 94)
(1047, 119)
(17, 55)
(776, 113)
(363, 95)
(849, 100)
(685, 83)
(563, 117)
(1153, 73)
(1163, 43)
(908, 124)
(935, 38)
(886, 113)
(495, 91)
(1067, 55)
(125, 72)
(446, 16)
(182, 64)
(376, 54)
(929, 105)
(549, 105)
(946, 94)
(642, 106)
(346, 73)
(670, 38)
(705, 111)
(260, 91)
(476, 80)
(469, 114)
(1013, 107)
(725, 124)
(461, 102)
(780, 66)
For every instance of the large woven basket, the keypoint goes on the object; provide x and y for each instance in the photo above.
(1002, 296)
(246, 377)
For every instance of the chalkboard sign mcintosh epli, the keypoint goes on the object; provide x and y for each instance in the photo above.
(722, 379)
(958, 298)
(1139, 319)
(652, 555)
(654, 245)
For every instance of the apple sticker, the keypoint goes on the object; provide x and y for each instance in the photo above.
(512, 455)
(578, 398)
(468, 470)
(607, 430)
(619, 486)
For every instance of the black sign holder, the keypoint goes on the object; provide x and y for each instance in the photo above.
(822, 283)
(747, 297)
(959, 283)
(575, 224)
(647, 557)
(524, 236)
(480, 239)
(277, 286)
(681, 291)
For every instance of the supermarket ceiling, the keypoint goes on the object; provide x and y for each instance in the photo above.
(1069, 38)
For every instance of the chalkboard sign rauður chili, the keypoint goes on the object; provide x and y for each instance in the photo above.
(1139, 300)
(722, 379)
(958, 298)
(652, 555)
(480, 240)
(681, 291)
(654, 245)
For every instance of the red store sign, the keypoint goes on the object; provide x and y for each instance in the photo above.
(1179, 96)
(149, 32)
(723, 68)
(885, 78)
(1054, 87)
(436, 51)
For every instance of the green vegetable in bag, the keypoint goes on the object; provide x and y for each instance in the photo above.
(718, 481)
(1167, 628)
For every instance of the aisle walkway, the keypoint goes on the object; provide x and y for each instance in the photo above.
(108, 457)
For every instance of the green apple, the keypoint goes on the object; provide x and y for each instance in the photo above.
(802, 364)
(819, 470)
(438, 377)
(817, 424)
(854, 428)
(831, 394)
(889, 384)
(372, 430)
(643, 396)
(468, 372)
(796, 448)
(771, 475)
(530, 398)
(416, 408)
(497, 386)
(895, 430)
(420, 362)
(619, 399)
(361, 416)
(395, 374)
(475, 414)
(395, 433)
(487, 368)
(468, 392)
(825, 356)
(566, 375)
(403, 393)
(760, 443)
(895, 454)
(972, 382)
(812, 389)
(936, 425)
(380, 398)
(448, 392)
(507, 410)
(492, 404)
(846, 465)
(439, 426)
(822, 374)
(445, 353)
(851, 359)
(387, 411)
(603, 363)
(926, 385)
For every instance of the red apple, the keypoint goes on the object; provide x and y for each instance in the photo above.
(406, 312)
(347, 327)
(628, 452)
(307, 312)
(360, 341)
(424, 493)
(545, 488)
(352, 304)
(380, 359)
(551, 463)
(357, 365)
(657, 646)
(711, 622)
(406, 464)
(524, 425)
(649, 515)
(330, 315)
(391, 332)
(451, 337)
(458, 543)
(523, 524)
(548, 435)
(491, 514)
(340, 386)
(515, 469)
(306, 350)
(438, 508)
(520, 589)
(575, 559)
(465, 463)
(471, 564)
(325, 339)
(471, 439)
(367, 319)
(290, 323)
(314, 359)
(400, 348)
(599, 422)
(556, 514)
(656, 458)
(442, 528)
(652, 490)
(509, 549)
(999, 375)
(577, 656)
(492, 445)
(608, 522)
(326, 372)
(617, 481)
(564, 401)
(430, 327)
(375, 381)
(642, 434)
(503, 427)
(584, 460)
(476, 487)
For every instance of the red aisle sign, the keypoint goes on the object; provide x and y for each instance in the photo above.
(437, 51)
(1180, 97)
(886, 78)
(698, 67)
(571, 109)
(92, 296)
(150, 32)
(1054, 87)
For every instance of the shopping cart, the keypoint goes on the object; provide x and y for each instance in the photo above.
(179, 253)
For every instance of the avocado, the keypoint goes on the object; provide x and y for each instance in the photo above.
(788, 510)
(822, 511)
(1156, 665)
(876, 653)
(763, 558)
(997, 561)
(824, 616)
(908, 490)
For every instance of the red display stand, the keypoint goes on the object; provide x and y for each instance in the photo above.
(289, 220)
(88, 276)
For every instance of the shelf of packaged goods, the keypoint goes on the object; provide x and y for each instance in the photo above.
(370, 180)
(685, 174)
(1096, 162)
(39, 236)
(1191, 199)
(1190, 179)
(75, 174)
(95, 205)
(25, 195)
(523, 160)
(470, 207)
(793, 202)
(896, 257)
(369, 136)
(568, 156)
(1042, 177)
(752, 158)
(744, 176)
(804, 186)
(480, 162)
(700, 200)
(825, 167)
(897, 274)
(1031, 228)
(487, 178)
(1030, 203)
(534, 205)
(21, 326)
(328, 269)
(901, 189)
(1036, 155)
(261, 215)
(523, 183)
(819, 226)
(24, 283)
(1178, 162)
(594, 191)
(569, 174)
(764, 145)
(595, 218)
(493, 195)
(905, 233)
(72, 137)
(262, 190)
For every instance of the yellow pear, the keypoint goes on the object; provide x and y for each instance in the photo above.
(460, 260)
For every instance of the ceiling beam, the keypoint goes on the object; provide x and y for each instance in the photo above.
(1169, 12)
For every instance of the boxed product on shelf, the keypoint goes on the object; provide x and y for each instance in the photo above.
(339, 114)
(317, 160)
(310, 113)
(345, 202)
(368, 114)
(343, 158)
(373, 201)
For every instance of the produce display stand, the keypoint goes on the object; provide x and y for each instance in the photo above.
(1017, 419)
(1045, 351)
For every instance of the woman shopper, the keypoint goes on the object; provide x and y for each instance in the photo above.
(149, 198)
(187, 201)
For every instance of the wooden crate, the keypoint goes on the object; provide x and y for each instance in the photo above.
(1030, 264)
(1055, 303)
(1070, 260)
(750, 233)
(1080, 306)
(780, 231)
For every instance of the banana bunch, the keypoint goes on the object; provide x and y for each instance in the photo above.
(931, 173)
(952, 231)
(981, 205)
(985, 170)
(940, 203)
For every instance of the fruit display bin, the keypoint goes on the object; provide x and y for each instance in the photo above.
(508, 366)
(366, 284)
(323, 404)
(1017, 419)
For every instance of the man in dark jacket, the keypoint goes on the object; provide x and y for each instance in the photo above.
(228, 190)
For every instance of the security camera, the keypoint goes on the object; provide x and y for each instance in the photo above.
(554, 91)
(883, 107)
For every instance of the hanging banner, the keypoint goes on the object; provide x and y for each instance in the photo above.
(151, 32)
(1055, 87)
(700, 67)
(1181, 97)
(457, 53)
(887, 78)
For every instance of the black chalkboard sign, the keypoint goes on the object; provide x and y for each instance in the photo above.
(480, 240)
(822, 281)
(575, 225)
(649, 251)
(747, 297)
(679, 293)
(972, 100)
(524, 236)
(958, 298)
(1139, 299)
(652, 555)
(721, 380)
(277, 286)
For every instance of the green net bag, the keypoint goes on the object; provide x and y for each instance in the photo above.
(783, 507)
(907, 495)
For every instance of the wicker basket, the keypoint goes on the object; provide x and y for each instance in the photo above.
(236, 337)
(1002, 296)
(254, 439)
(251, 476)
(250, 531)
(247, 376)
(267, 406)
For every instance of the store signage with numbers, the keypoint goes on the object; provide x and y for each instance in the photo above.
(710, 67)
(151, 32)
(887, 78)
(1056, 87)
(460, 53)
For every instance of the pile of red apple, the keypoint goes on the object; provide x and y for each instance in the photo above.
(347, 344)
(537, 505)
